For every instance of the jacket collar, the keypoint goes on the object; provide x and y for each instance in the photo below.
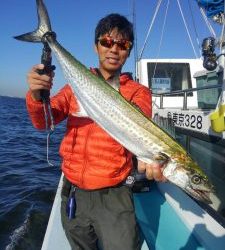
(124, 77)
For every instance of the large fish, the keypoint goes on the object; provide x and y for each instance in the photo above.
(122, 120)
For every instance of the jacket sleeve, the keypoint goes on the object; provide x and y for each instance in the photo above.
(143, 99)
(60, 105)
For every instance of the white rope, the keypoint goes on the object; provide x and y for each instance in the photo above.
(161, 38)
(195, 29)
(185, 24)
(211, 30)
(222, 34)
(150, 27)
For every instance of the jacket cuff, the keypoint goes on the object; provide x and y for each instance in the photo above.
(33, 104)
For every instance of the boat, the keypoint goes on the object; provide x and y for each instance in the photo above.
(168, 217)
(188, 102)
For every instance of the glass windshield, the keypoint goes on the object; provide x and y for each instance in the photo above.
(166, 77)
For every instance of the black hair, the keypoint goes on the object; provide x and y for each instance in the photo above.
(112, 21)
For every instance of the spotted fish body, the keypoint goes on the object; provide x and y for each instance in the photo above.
(122, 120)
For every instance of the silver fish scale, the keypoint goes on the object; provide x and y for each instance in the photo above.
(107, 108)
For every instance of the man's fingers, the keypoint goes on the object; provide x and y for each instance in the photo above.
(37, 67)
(141, 167)
(149, 173)
(155, 171)
(37, 85)
(152, 171)
(35, 75)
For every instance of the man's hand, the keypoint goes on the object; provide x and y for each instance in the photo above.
(153, 171)
(38, 82)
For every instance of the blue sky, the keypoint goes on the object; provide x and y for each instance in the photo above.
(74, 22)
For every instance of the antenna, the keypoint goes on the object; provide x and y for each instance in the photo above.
(135, 41)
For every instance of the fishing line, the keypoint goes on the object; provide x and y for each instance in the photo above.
(46, 59)
(51, 130)
(48, 115)
(47, 148)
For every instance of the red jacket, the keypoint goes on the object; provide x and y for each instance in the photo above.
(91, 158)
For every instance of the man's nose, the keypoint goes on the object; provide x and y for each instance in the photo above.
(115, 47)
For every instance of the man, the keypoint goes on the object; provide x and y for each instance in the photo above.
(94, 164)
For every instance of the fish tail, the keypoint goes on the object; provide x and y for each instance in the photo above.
(44, 26)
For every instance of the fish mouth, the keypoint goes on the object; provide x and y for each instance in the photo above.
(200, 195)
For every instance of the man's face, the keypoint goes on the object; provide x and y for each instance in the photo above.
(112, 53)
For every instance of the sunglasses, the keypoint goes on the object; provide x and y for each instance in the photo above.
(109, 42)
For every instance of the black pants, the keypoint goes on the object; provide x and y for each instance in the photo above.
(103, 218)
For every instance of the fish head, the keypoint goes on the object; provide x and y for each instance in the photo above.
(199, 186)
(191, 179)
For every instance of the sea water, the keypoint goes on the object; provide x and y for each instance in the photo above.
(27, 183)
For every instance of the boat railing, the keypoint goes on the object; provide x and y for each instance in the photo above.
(185, 93)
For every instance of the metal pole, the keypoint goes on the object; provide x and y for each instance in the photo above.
(161, 102)
(135, 43)
(185, 101)
(188, 142)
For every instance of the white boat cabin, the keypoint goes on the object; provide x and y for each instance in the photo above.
(167, 75)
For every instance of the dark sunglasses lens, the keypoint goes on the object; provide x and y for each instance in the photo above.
(108, 43)
(122, 45)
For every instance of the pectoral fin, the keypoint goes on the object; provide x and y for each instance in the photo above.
(161, 157)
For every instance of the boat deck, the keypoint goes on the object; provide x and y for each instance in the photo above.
(160, 224)
(168, 219)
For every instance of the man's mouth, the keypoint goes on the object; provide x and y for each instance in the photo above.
(112, 60)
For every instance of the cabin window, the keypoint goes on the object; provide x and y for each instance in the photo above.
(166, 77)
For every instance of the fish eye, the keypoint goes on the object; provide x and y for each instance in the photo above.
(196, 179)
